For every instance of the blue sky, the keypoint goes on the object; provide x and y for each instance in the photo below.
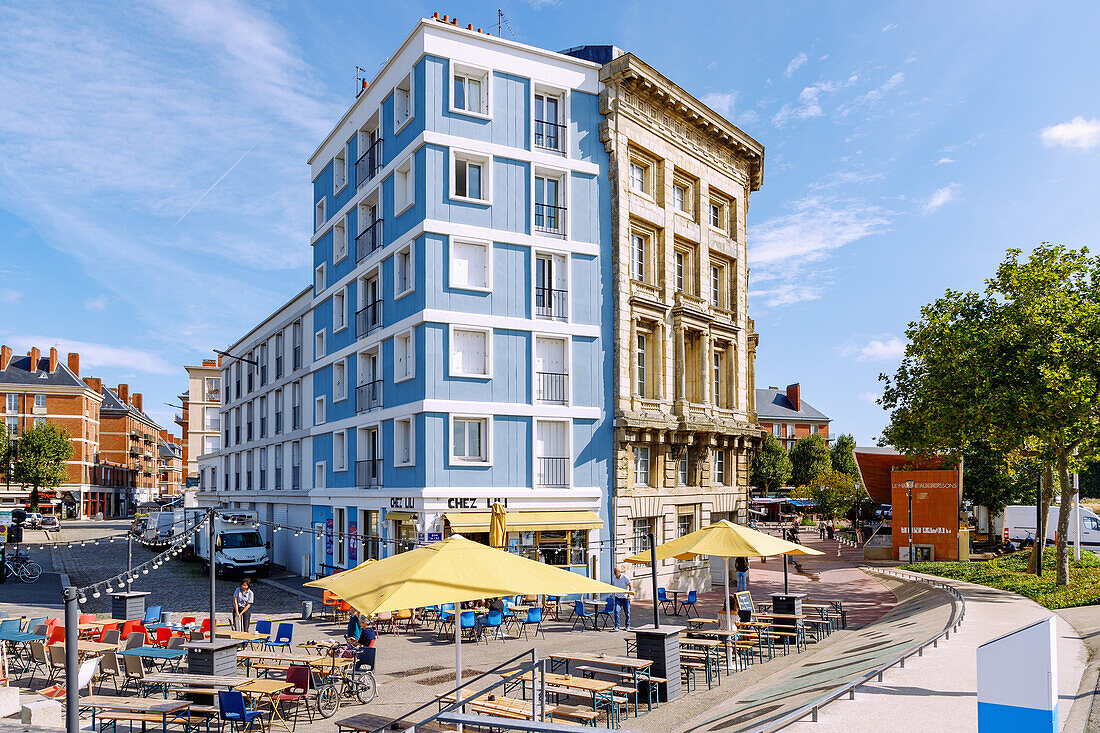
(155, 202)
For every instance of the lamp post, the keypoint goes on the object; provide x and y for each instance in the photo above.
(909, 494)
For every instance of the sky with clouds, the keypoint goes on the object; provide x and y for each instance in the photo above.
(155, 197)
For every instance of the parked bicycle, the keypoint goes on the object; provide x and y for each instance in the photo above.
(22, 567)
(347, 681)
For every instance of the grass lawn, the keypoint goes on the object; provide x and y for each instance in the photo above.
(1009, 572)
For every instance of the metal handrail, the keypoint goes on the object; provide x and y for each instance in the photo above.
(550, 218)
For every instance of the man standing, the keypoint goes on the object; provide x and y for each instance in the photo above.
(741, 565)
(622, 600)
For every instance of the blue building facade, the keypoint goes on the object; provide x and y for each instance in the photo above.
(462, 315)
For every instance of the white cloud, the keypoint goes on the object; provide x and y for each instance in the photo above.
(10, 295)
(941, 196)
(540, 4)
(879, 348)
(96, 304)
(871, 98)
(890, 27)
(796, 63)
(96, 356)
(1077, 134)
(870, 398)
(944, 161)
(809, 101)
(721, 102)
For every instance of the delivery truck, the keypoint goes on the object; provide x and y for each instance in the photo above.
(1019, 526)
(239, 548)
(161, 527)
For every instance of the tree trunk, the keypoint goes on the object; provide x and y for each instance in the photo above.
(1047, 496)
(1064, 511)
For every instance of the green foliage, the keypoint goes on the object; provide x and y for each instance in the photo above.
(40, 463)
(5, 452)
(1010, 573)
(989, 480)
(771, 468)
(834, 492)
(809, 457)
(841, 455)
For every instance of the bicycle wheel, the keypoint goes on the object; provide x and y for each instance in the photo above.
(365, 689)
(31, 572)
(328, 700)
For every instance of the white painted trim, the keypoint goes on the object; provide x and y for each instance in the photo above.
(488, 247)
(410, 357)
(343, 435)
(471, 71)
(411, 76)
(342, 222)
(486, 441)
(468, 156)
(505, 409)
(343, 294)
(337, 189)
(409, 161)
(550, 90)
(568, 442)
(410, 271)
(411, 420)
(567, 357)
(488, 332)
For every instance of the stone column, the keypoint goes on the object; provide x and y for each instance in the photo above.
(678, 372)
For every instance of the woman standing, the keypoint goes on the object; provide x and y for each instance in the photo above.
(242, 606)
(741, 565)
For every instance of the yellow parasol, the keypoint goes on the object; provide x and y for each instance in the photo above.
(498, 522)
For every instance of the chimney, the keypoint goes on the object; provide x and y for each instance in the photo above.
(5, 357)
(137, 400)
(794, 394)
(53, 360)
(74, 364)
(123, 392)
(95, 383)
(435, 15)
(445, 18)
(35, 355)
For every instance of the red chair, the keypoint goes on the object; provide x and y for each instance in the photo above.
(343, 608)
(103, 632)
(129, 627)
(299, 677)
(205, 628)
(187, 620)
(163, 635)
(57, 634)
(87, 618)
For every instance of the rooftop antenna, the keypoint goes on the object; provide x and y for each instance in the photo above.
(360, 80)
(502, 19)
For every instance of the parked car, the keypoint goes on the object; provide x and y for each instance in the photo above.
(49, 522)
(34, 519)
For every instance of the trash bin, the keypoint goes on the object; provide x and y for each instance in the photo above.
(307, 610)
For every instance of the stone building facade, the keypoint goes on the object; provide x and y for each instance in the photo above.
(685, 421)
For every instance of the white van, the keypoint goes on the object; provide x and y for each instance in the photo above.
(1019, 526)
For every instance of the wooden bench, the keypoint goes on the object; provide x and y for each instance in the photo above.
(143, 718)
(584, 716)
(627, 677)
(504, 707)
(617, 701)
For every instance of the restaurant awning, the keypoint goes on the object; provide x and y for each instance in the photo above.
(400, 516)
(524, 521)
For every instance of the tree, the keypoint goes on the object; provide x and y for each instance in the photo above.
(809, 457)
(842, 458)
(834, 492)
(43, 451)
(1016, 365)
(5, 452)
(771, 468)
(991, 480)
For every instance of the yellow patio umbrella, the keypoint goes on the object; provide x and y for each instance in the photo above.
(451, 571)
(725, 539)
(498, 522)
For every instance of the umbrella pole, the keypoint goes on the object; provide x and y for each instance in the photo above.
(458, 656)
(786, 582)
(653, 575)
(729, 621)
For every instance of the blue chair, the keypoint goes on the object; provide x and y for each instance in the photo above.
(607, 611)
(534, 618)
(508, 614)
(689, 604)
(663, 600)
(33, 624)
(263, 627)
(283, 637)
(492, 624)
(579, 614)
(231, 709)
(10, 624)
(366, 657)
(446, 617)
(152, 615)
(469, 624)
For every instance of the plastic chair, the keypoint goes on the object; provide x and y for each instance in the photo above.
(579, 614)
(343, 610)
(204, 628)
(87, 618)
(187, 620)
(606, 612)
(33, 623)
(534, 618)
(12, 624)
(298, 676)
(56, 661)
(134, 672)
(83, 679)
(493, 623)
(109, 667)
(264, 627)
(405, 615)
(446, 616)
(366, 657)
(110, 636)
(329, 604)
(39, 658)
(133, 641)
(57, 634)
(176, 642)
(468, 623)
(103, 633)
(130, 627)
(231, 709)
(152, 615)
(689, 604)
(663, 600)
(164, 635)
(284, 636)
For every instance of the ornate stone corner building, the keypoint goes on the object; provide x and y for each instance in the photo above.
(685, 414)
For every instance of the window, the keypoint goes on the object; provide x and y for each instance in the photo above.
(681, 265)
(319, 278)
(470, 90)
(278, 411)
(263, 363)
(248, 421)
(549, 208)
(641, 465)
(295, 465)
(402, 272)
(679, 197)
(403, 192)
(339, 381)
(720, 467)
(468, 438)
(777, 430)
(339, 451)
(339, 312)
(715, 215)
(403, 442)
(733, 219)
(790, 430)
(638, 177)
(319, 217)
(639, 247)
(402, 103)
(319, 480)
(39, 422)
(319, 411)
(814, 429)
(640, 362)
(717, 279)
(563, 547)
(209, 444)
(471, 352)
(278, 467)
(683, 195)
(719, 383)
(641, 530)
(470, 179)
(339, 171)
(549, 133)
(318, 344)
(403, 356)
(11, 424)
(296, 341)
(682, 473)
(13, 402)
(263, 469)
(470, 267)
(40, 402)
(339, 240)
(685, 521)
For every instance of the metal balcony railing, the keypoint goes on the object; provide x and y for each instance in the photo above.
(549, 219)
(368, 319)
(369, 163)
(552, 304)
(213, 395)
(552, 387)
(549, 135)
(551, 472)
(368, 473)
(368, 396)
(368, 240)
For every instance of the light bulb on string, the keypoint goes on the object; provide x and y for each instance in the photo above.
(95, 591)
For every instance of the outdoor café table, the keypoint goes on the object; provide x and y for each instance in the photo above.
(267, 689)
(19, 643)
(168, 710)
(633, 665)
(305, 660)
(250, 637)
(724, 636)
(693, 622)
(86, 647)
(675, 600)
(599, 689)
(709, 647)
(157, 654)
(182, 680)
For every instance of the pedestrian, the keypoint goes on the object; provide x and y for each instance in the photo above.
(829, 529)
(741, 565)
(243, 599)
(622, 600)
(794, 529)
(821, 529)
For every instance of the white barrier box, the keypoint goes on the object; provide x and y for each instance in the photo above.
(1018, 681)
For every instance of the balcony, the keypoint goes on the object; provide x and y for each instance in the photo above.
(213, 395)
(213, 424)
(549, 136)
(549, 219)
(178, 419)
(369, 163)
(368, 473)
(552, 388)
(295, 477)
(552, 304)
(368, 319)
(368, 396)
(551, 472)
(368, 240)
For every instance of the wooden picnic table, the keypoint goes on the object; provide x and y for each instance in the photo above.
(572, 682)
(267, 689)
(137, 709)
(503, 707)
(248, 636)
(633, 665)
(184, 680)
(87, 646)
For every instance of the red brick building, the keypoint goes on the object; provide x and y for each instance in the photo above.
(128, 439)
(170, 451)
(787, 416)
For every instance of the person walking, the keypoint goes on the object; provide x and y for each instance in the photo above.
(741, 565)
(622, 600)
(243, 599)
